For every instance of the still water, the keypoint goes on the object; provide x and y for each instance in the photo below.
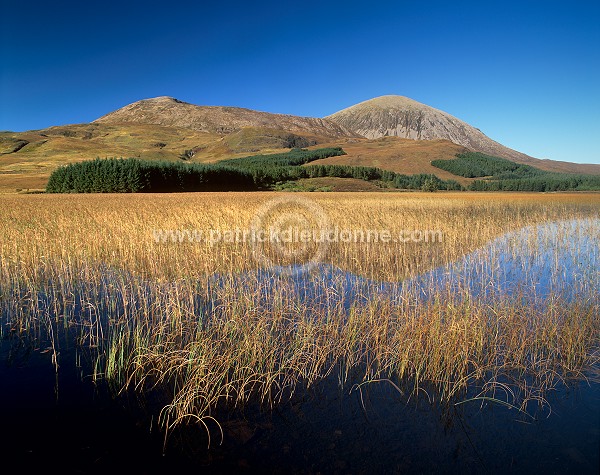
(63, 421)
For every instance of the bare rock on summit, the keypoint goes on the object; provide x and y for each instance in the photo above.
(403, 117)
(170, 112)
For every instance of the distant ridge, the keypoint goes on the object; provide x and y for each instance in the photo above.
(403, 117)
(171, 112)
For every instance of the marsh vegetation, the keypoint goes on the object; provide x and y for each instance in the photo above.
(206, 331)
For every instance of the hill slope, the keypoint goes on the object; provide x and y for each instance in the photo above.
(170, 112)
(167, 129)
(402, 117)
(415, 156)
(399, 155)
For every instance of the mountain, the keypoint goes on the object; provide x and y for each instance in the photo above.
(171, 112)
(400, 116)
(165, 128)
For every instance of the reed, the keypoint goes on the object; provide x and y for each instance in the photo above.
(198, 324)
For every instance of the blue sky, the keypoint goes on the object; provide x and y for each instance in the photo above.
(525, 73)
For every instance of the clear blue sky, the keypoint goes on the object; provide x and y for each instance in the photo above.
(526, 73)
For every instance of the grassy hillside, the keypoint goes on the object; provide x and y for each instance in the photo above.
(27, 159)
(47, 149)
(399, 155)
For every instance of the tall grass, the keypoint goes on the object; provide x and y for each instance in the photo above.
(196, 323)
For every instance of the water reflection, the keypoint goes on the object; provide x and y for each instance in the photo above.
(559, 259)
(326, 428)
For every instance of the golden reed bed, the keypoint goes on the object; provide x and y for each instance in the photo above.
(148, 313)
(118, 230)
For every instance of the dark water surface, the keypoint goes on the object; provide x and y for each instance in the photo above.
(63, 422)
(327, 430)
